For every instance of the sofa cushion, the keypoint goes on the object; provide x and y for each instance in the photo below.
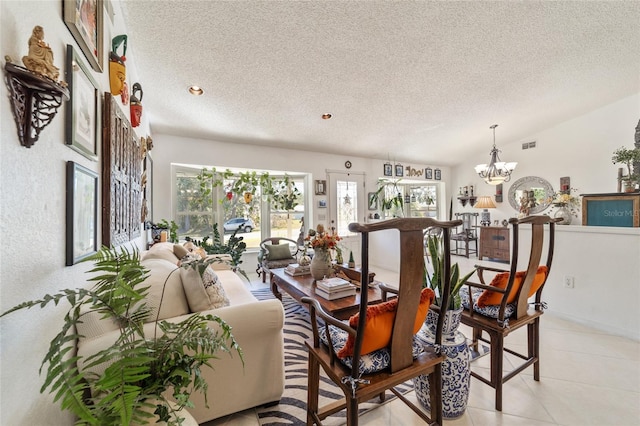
(235, 288)
(501, 280)
(278, 251)
(221, 262)
(379, 325)
(174, 302)
(161, 251)
(203, 292)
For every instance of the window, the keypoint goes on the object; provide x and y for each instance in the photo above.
(195, 211)
(346, 205)
(204, 198)
(288, 223)
(410, 199)
(422, 200)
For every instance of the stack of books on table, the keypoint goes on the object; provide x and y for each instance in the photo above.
(295, 269)
(334, 288)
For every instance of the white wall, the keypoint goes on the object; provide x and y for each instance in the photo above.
(32, 225)
(580, 148)
(604, 261)
(170, 149)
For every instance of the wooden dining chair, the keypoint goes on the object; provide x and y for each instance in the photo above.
(466, 235)
(502, 306)
(376, 350)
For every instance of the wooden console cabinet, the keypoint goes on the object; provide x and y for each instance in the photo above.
(494, 243)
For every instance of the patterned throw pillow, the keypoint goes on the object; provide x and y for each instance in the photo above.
(491, 311)
(203, 292)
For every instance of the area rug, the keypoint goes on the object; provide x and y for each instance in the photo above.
(292, 409)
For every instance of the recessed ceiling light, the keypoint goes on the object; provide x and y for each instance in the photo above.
(196, 90)
(326, 116)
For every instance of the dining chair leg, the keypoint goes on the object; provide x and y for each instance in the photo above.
(477, 333)
(313, 387)
(497, 347)
(435, 382)
(352, 412)
(534, 346)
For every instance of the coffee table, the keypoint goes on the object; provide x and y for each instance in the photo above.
(304, 286)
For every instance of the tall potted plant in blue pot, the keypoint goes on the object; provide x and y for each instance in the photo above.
(456, 373)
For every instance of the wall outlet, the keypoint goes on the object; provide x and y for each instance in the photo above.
(569, 281)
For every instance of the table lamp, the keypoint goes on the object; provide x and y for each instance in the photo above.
(485, 202)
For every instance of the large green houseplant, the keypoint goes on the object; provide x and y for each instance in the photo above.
(139, 370)
(234, 247)
(434, 279)
(388, 197)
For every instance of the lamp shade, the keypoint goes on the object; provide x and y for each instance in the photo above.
(484, 202)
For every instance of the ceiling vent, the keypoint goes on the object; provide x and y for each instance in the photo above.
(528, 145)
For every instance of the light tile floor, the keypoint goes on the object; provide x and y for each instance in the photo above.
(588, 377)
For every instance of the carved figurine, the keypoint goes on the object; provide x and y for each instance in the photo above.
(40, 57)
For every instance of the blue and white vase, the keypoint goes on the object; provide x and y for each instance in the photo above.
(456, 372)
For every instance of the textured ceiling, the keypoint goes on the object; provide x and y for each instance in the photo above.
(419, 81)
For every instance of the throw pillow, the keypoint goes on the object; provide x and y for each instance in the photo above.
(166, 297)
(180, 251)
(278, 251)
(380, 317)
(203, 292)
(501, 280)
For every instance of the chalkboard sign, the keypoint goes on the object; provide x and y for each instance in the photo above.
(622, 210)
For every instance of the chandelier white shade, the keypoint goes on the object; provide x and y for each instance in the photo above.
(497, 171)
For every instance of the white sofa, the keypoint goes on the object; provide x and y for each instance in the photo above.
(256, 325)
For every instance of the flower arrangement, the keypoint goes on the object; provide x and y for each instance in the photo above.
(320, 239)
(565, 199)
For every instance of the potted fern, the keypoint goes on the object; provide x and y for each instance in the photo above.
(138, 370)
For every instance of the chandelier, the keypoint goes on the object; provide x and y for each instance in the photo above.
(496, 171)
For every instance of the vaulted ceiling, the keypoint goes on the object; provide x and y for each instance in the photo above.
(419, 81)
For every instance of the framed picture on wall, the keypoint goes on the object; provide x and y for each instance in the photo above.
(428, 173)
(82, 120)
(321, 187)
(82, 213)
(84, 20)
(146, 215)
(399, 170)
(388, 169)
(372, 201)
(438, 174)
